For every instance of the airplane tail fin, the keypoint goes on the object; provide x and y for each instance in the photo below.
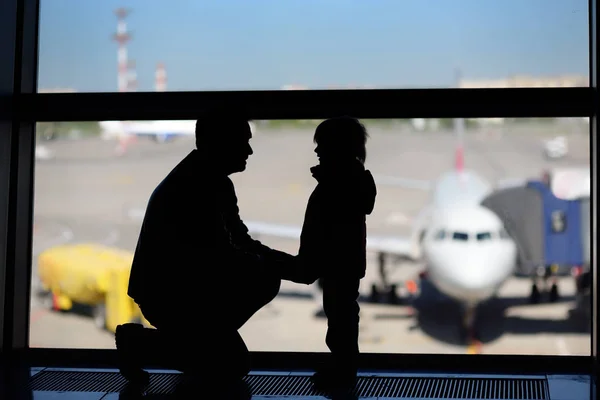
(459, 154)
(459, 158)
(459, 130)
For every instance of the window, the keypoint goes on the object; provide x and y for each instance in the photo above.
(306, 44)
(484, 236)
(558, 221)
(440, 235)
(93, 181)
(529, 87)
(460, 236)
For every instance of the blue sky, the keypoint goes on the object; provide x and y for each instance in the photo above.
(264, 44)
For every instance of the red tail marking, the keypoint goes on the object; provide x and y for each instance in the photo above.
(459, 159)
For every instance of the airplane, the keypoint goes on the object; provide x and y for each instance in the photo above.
(159, 131)
(468, 254)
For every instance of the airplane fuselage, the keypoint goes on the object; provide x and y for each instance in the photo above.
(468, 253)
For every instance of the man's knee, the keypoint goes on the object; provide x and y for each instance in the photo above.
(269, 288)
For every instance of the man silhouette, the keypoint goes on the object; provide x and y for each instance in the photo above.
(197, 275)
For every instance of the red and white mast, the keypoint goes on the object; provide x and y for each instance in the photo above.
(160, 78)
(126, 74)
(126, 77)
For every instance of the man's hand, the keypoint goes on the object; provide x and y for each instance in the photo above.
(294, 270)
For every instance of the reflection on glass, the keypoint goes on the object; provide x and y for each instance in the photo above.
(309, 44)
(93, 180)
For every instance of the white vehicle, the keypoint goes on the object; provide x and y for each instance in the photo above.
(467, 252)
(556, 148)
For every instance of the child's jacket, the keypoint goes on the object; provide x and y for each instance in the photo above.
(334, 234)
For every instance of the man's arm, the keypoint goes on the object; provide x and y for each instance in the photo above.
(279, 262)
(285, 265)
(238, 230)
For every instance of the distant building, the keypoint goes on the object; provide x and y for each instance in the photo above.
(328, 87)
(57, 90)
(524, 81)
(294, 87)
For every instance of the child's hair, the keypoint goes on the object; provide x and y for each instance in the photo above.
(346, 134)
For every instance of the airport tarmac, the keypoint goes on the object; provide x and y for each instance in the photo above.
(85, 192)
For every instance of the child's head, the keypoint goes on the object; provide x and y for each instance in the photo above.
(341, 139)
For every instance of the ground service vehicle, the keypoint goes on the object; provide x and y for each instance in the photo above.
(93, 276)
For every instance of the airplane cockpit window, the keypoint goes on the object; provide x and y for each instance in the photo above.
(484, 236)
(440, 235)
(461, 236)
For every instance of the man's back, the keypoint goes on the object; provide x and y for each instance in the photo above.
(180, 223)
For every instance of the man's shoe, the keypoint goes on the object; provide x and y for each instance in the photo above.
(129, 339)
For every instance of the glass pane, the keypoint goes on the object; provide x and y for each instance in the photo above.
(93, 181)
(308, 44)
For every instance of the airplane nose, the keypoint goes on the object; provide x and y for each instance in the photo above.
(477, 285)
(474, 278)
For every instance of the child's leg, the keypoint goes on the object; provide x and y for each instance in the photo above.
(340, 304)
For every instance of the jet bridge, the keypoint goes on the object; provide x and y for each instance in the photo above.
(521, 210)
(550, 233)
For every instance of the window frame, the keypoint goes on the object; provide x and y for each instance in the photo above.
(21, 107)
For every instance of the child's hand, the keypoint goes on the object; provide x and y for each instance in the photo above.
(292, 269)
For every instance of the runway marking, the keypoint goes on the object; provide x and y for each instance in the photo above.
(562, 347)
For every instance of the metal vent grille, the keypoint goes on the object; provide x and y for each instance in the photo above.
(299, 385)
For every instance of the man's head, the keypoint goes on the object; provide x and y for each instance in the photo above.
(224, 140)
(341, 139)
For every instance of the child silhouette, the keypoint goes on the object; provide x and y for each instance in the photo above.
(333, 241)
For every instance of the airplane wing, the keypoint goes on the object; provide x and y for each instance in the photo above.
(419, 184)
(277, 230)
(381, 244)
(403, 182)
